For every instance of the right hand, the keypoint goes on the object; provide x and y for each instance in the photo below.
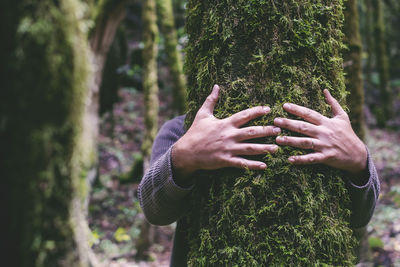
(211, 143)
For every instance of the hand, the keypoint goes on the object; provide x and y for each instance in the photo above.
(211, 143)
(332, 139)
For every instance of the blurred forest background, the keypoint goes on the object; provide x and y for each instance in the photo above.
(79, 71)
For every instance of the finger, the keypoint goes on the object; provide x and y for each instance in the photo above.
(211, 100)
(299, 142)
(253, 149)
(297, 126)
(243, 117)
(336, 108)
(256, 132)
(313, 158)
(242, 163)
(305, 113)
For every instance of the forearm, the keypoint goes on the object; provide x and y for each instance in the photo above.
(161, 199)
(364, 197)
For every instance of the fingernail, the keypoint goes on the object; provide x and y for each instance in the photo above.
(263, 166)
(266, 109)
(287, 105)
(291, 159)
(278, 120)
(277, 130)
(275, 148)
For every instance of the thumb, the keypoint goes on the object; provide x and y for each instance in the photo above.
(211, 100)
(336, 108)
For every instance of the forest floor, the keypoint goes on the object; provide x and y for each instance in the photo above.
(115, 217)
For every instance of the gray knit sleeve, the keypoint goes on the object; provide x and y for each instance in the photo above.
(160, 198)
(364, 197)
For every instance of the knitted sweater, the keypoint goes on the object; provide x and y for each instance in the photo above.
(164, 202)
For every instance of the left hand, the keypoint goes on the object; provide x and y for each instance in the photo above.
(332, 139)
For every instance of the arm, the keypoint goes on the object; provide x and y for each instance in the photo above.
(160, 197)
(209, 144)
(335, 144)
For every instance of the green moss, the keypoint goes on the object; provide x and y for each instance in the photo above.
(375, 243)
(150, 86)
(267, 53)
(352, 63)
(44, 105)
(173, 55)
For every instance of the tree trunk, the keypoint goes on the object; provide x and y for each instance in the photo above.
(48, 132)
(355, 100)
(352, 67)
(150, 87)
(43, 152)
(368, 40)
(384, 112)
(173, 55)
(267, 53)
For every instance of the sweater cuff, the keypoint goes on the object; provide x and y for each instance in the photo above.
(370, 171)
(173, 190)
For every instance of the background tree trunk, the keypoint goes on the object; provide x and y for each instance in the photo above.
(355, 100)
(384, 112)
(267, 53)
(368, 40)
(150, 87)
(43, 147)
(173, 55)
(352, 67)
(48, 128)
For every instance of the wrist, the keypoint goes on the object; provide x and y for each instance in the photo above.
(182, 172)
(359, 172)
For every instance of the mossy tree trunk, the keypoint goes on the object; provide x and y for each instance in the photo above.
(150, 86)
(384, 112)
(48, 133)
(267, 53)
(352, 64)
(355, 100)
(151, 104)
(43, 156)
(173, 55)
(368, 40)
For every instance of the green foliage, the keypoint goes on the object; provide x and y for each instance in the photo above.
(267, 53)
(375, 243)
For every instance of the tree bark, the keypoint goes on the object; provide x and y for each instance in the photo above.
(150, 87)
(267, 53)
(355, 100)
(352, 67)
(384, 112)
(48, 132)
(173, 55)
(42, 139)
(368, 41)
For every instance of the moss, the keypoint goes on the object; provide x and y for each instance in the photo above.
(382, 64)
(44, 105)
(173, 55)
(352, 63)
(150, 86)
(267, 53)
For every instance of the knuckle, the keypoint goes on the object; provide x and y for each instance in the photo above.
(249, 149)
(330, 155)
(251, 132)
(303, 128)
